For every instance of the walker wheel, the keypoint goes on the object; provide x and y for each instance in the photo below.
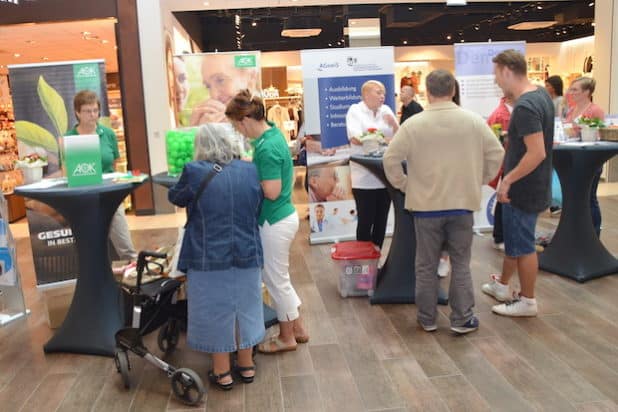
(188, 386)
(121, 359)
(168, 336)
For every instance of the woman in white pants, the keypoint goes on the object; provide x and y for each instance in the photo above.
(278, 219)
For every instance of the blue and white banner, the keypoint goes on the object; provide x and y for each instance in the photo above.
(332, 81)
(474, 70)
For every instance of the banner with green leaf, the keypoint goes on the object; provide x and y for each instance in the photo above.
(43, 105)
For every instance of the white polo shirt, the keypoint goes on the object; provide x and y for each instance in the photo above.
(358, 120)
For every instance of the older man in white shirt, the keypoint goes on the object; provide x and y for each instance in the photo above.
(372, 199)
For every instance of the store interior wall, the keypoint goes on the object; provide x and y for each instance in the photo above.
(156, 19)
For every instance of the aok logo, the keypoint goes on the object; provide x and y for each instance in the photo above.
(85, 169)
(86, 71)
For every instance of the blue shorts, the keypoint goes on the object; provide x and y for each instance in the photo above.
(518, 227)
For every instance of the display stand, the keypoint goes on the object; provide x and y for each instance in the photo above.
(576, 252)
(12, 304)
(397, 277)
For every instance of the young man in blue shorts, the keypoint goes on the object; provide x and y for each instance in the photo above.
(525, 190)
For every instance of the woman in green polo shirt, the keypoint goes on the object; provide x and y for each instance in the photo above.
(278, 219)
(87, 107)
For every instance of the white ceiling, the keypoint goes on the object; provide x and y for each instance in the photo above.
(58, 42)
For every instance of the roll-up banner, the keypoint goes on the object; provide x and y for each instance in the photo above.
(43, 105)
(332, 80)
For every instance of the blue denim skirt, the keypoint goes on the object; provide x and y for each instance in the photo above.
(224, 309)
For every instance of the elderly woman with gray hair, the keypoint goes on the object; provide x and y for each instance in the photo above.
(222, 254)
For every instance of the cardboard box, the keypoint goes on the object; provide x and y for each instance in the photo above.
(57, 302)
(81, 156)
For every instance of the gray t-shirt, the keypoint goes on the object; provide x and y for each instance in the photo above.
(533, 113)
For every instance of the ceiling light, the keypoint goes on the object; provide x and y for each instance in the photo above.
(405, 42)
(592, 24)
(236, 19)
(330, 45)
(45, 58)
(456, 2)
(104, 41)
(532, 25)
(206, 3)
(448, 37)
(477, 27)
(16, 55)
(539, 7)
(591, 4)
(301, 26)
(254, 23)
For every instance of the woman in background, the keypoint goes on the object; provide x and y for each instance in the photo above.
(87, 110)
(554, 87)
(278, 219)
(222, 255)
(581, 91)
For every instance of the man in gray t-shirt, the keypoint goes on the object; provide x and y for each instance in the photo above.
(525, 190)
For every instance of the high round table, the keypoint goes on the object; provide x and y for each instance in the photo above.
(270, 316)
(397, 278)
(575, 250)
(95, 314)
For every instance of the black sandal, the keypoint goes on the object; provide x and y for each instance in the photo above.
(216, 380)
(245, 379)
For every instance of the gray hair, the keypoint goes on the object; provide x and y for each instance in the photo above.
(213, 144)
(440, 83)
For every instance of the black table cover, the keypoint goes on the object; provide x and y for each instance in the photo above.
(270, 316)
(397, 278)
(95, 314)
(575, 250)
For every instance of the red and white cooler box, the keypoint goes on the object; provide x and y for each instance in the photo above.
(358, 262)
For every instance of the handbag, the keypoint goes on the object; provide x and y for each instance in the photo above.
(174, 271)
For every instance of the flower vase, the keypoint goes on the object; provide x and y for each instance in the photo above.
(32, 174)
(589, 134)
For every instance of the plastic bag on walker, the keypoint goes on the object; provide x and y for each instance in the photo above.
(174, 271)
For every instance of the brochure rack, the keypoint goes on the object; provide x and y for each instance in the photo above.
(12, 304)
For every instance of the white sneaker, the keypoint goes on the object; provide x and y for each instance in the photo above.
(444, 267)
(496, 289)
(499, 246)
(521, 307)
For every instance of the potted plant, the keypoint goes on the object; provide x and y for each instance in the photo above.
(31, 166)
(590, 128)
(371, 140)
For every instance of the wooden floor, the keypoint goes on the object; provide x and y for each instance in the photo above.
(360, 357)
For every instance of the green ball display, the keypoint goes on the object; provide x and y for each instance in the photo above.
(179, 149)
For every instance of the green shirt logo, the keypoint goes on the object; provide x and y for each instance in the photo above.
(247, 60)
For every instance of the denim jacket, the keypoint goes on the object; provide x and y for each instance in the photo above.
(223, 229)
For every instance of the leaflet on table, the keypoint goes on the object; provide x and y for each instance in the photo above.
(46, 183)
